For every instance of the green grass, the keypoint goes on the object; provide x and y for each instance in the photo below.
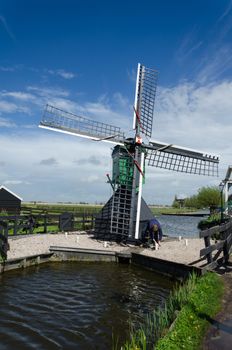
(195, 317)
(61, 208)
(170, 210)
(195, 304)
(91, 208)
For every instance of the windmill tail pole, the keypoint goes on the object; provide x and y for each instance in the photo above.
(110, 181)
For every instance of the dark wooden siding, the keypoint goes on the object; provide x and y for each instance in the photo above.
(9, 202)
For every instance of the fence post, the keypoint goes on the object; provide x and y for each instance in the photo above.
(83, 222)
(15, 226)
(207, 244)
(92, 221)
(226, 252)
(45, 223)
(226, 247)
(6, 231)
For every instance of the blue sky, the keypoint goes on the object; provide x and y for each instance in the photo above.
(82, 56)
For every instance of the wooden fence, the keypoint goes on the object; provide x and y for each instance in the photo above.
(13, 225)
(3, 240)
(44, 223)
(222, 244)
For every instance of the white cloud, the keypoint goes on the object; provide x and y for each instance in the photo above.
(90, 179)
(15, 182)
(132, 75)
(4, 24)
(7, 69)
(20, 103)
(188, 45)
(195, 116)
(49, 161)
(214, 63)
(226, 12)
(6, 123)
(18, 95)
(68, 180)
(7, 107)
(62, 73)
(48, 91)
(120, 100)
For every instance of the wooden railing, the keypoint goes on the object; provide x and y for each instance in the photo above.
(3, 240)
(44, 223)
(222, 244)
(13, 225)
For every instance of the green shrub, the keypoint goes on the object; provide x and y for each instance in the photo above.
(204, 302)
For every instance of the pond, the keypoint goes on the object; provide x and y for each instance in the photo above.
(75, 305)
(185, 226)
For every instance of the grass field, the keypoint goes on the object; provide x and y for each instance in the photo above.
(58, 208)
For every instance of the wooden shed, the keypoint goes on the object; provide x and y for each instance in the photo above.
(9, 201)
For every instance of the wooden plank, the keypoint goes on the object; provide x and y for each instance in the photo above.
(211, 248)
(15, 227)
(227, 226)
(229, 240)
(210, 266)
(218, 253)
(207, 244)
(216, 229)
(209, 232)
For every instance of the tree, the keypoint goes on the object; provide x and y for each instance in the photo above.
(192, 202)
(209, 196)
(175, 203)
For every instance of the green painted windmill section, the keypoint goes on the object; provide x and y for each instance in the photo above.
(123, 167)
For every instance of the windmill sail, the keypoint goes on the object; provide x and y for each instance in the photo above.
(145, 99)
(172, 157)
(58, 120)
(126, 214)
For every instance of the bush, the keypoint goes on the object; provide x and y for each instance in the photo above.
(211, 221)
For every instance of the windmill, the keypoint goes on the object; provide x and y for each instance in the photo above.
(125, 213)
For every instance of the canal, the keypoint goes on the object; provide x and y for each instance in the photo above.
(76, 305)
(185, 226)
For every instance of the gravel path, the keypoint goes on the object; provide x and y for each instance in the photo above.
(183, 251)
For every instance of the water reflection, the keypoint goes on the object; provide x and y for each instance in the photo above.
(75, 305)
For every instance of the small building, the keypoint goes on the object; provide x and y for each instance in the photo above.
(9, 201)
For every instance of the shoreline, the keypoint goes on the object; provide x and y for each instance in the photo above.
(185, 251)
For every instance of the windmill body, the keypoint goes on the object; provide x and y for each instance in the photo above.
(126, 213)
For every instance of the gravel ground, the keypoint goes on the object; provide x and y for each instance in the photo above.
(184, 251)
